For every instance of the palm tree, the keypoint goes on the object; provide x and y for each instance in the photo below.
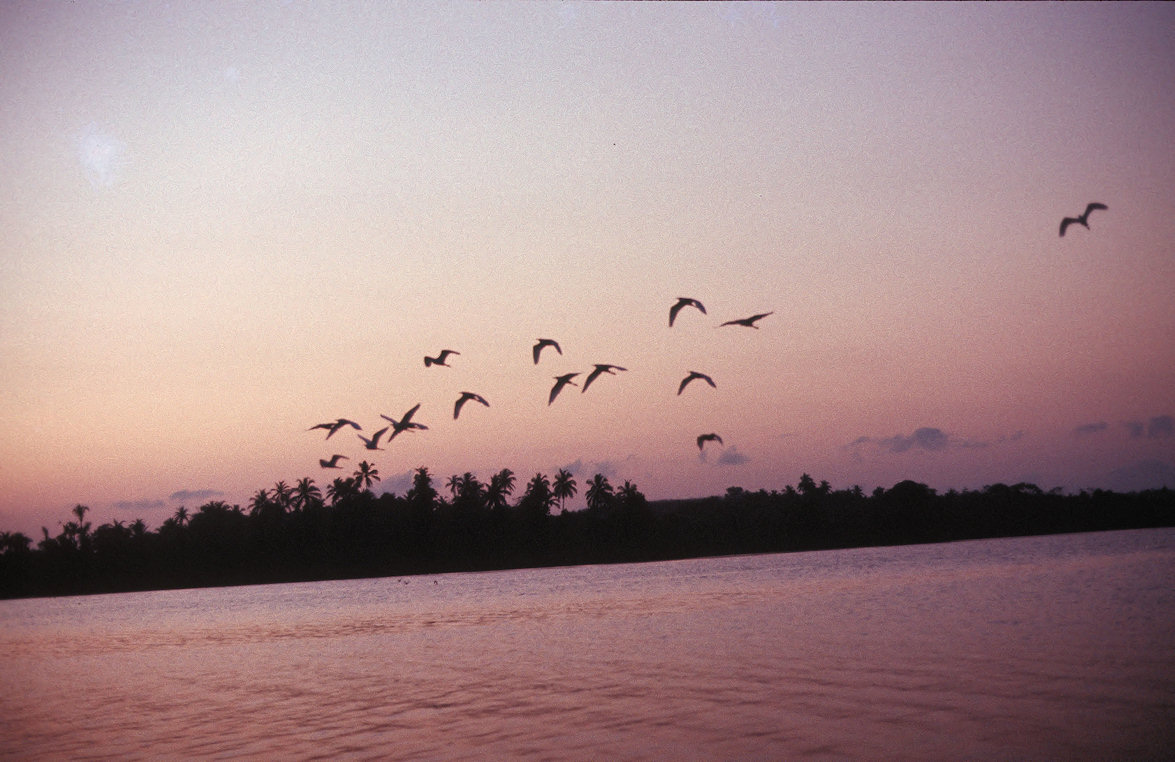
(538, 495)
(306, 494)
(497, 494)
(82, 526)
(630, 496)
(453, 484)
(599, 492)
(340, 489)
(181, 516)
(563, 487)
(365, 475)
(470, 493)
(281, 495)
(259, 502)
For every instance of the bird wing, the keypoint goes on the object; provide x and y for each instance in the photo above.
(538, 347)
(457, 405)
(591, 377)
(1094, 205)
(408, 416)
(1066, 223)
(708, 380)
(684, 381)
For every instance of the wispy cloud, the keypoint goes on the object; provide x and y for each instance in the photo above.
(139, 505)
(1160, 427)
(928, 439)
(732, 457)
(191, 495)
(1088, 429)
(1157, 427)
(101, 156)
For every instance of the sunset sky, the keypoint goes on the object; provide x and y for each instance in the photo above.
(223, 223)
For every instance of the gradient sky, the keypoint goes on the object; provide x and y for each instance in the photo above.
(226, 222)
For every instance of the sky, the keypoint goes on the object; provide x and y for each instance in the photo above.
(224, 223)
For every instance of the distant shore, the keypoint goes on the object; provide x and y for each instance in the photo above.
(354, 533)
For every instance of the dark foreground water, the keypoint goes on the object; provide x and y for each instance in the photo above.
(1048, 647)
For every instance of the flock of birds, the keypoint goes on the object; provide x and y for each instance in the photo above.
(406, 423)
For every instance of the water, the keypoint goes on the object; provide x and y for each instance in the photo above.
(1048, 647)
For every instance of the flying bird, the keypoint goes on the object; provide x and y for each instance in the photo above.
(440, 359)
(333, 462)
(693, 374)
(538, 347)
(373, 443)
(1083, 220)
(334, 426)
(601, 368)
(748, 322)
(465, 397)
(560, 382)
(703, 438)
(404, 424)
(683, 301)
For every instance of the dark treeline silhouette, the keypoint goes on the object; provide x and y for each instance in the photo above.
(300, 533)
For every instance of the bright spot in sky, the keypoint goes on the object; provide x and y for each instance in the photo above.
(101, 156)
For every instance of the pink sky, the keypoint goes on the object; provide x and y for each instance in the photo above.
(225, 223)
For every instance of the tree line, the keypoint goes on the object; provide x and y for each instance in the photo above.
(299, 532)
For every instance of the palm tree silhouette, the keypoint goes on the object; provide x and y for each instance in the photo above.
(340, 489)
(365, 475)
(258, 502)
(563, 487)
(181, 516)
(454, 484)
(599, 492)
(306, 494)
(500, 488)
(281, 496)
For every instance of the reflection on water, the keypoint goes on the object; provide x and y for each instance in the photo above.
(1034, 647)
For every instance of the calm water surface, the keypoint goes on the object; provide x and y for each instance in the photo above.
(1049, 647)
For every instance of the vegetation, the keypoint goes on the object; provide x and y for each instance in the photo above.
(306, 533)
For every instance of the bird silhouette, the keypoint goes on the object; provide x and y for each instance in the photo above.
(560, 382)
(465, 397)
(703, 438)
(600, 369)
(373, 443)
(440, 359)
(748, 322)
(333, 462)
(683, 301)
(538, 347)
(1083, 220)
(404, 424)
(334, 426)
(693, 374)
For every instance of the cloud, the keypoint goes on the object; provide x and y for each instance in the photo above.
(1087, 429)
(398, 484)
(194, 495)
(1136, 428)
(101, 156)
(732, 457)
(608, 468)
(928, 438)
(139, 505)
(1160, 427)
(925, 438)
